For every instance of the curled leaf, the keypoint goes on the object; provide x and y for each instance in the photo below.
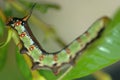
(2, 44)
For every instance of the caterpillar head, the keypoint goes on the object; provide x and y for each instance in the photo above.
(14, 21)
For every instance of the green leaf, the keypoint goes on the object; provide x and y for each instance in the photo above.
(100, 54)
(3, 56)
(2, 44)
(2, 26)
(49, 74)
(24, 68)
(3, 50)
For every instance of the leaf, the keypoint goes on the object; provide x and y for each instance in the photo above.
(3, 47)
(49, 74)
(2, 44)
(24, 64)
(2, 26)
(100, 54)
(24, 69)
(3, 54)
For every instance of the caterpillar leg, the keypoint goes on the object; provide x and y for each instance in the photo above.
(22, 48)
(56, 70)
(35, 65)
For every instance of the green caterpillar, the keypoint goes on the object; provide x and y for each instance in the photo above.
(42, 59)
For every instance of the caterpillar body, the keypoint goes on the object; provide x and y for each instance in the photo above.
(42, 59)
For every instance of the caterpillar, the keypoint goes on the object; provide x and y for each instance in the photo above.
(42, 59)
